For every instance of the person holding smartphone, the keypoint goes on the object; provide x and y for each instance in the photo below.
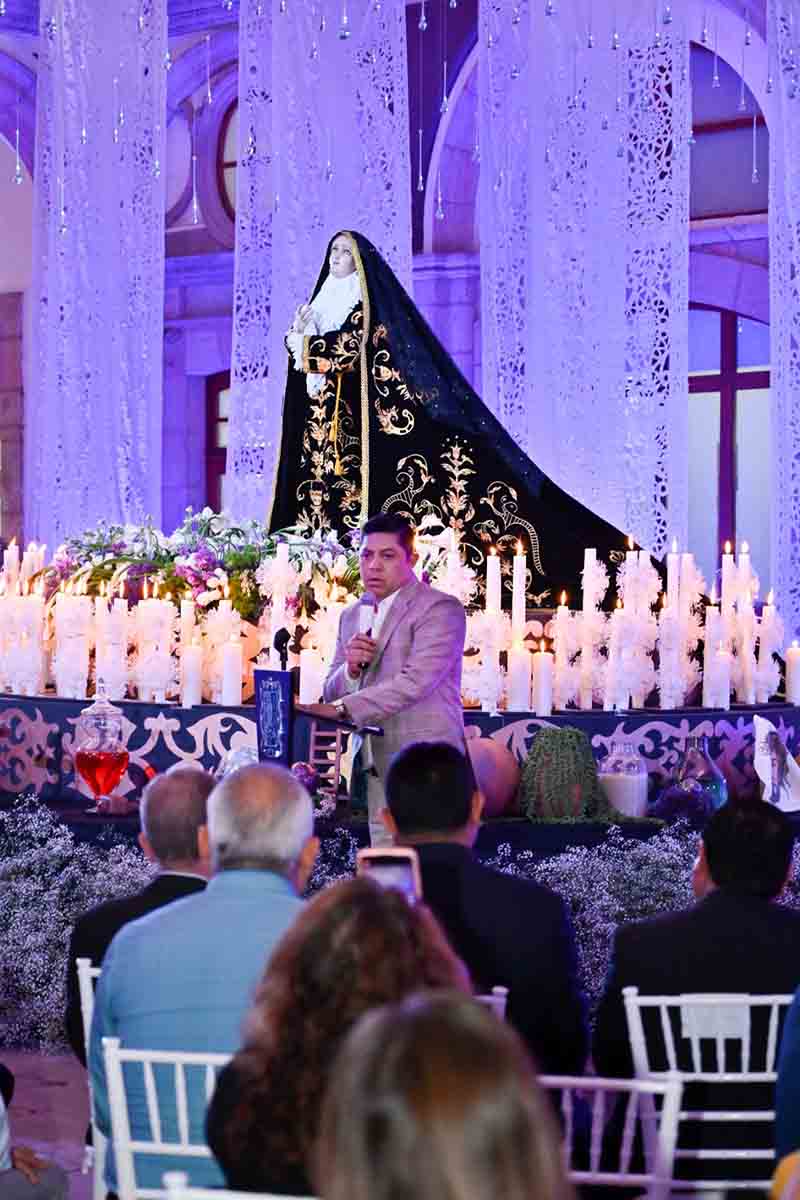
(397, 663)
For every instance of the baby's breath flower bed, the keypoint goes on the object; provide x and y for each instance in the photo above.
(47, 880)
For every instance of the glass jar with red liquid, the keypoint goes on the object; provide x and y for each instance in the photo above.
(100, 755)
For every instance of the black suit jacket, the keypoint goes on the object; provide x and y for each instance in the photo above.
(516, 933)
(725, 943)
(94, 931)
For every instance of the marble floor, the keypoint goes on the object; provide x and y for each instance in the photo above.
(50, 1111)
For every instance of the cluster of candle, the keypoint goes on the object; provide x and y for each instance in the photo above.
(613, 658)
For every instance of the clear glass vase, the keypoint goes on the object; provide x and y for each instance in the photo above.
(624, 779)
(100, 754)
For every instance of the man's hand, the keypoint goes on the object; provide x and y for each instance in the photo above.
(359, 653)
(27, 1162)
(323, 712)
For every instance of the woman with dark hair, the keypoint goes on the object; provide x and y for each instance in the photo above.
(436, 1098)
(377, 417)
(354, 947)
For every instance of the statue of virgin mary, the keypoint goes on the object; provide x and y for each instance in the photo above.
(378, 418)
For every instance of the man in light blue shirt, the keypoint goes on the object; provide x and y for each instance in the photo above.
(183, 977)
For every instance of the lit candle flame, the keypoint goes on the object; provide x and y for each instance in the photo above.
(542, 645)
(663, 599)
(155, 590)
(563, 598)
(770, 597)
(674, 545)
(519, 548)
(619, 604)
(727, 547)
(27, 588)
(144, 589)
(745, 548)
(713, 596)
(13, 542)
(630, 541)
(493, 551)
(121, 589)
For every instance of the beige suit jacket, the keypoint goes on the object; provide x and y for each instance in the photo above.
(412, 687)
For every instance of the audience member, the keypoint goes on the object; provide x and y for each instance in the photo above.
(354, 947)
(432, 1098)
(509, 931)
(734, 939)
(173, 815)
(25, 1176)
(183, 977)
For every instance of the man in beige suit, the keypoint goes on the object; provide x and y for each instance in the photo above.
(398, 659)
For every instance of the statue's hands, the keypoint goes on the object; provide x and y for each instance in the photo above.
(301, 318)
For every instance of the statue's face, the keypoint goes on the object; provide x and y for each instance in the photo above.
(341, 262)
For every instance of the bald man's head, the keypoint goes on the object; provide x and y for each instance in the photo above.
(174, 812)
(259, 817)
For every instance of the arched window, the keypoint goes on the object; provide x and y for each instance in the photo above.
(227, 145)
(217, 400)
(729, 436)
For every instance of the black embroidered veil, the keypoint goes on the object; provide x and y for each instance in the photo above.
(396, 427)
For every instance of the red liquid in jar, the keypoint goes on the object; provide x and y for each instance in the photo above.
(102, 769)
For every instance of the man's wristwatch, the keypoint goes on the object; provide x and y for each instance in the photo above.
(341, 710)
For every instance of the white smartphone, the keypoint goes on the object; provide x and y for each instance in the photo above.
(395, 867)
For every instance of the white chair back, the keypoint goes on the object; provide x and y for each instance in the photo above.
(496, 1000)
(94, 1158)
(174, 1073)
(654, 1103)
(176, 1184)
(709, 1038)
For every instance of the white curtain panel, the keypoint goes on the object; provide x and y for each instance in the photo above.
(783, 39)
(93, 397)
(333, 102)
(584, 205)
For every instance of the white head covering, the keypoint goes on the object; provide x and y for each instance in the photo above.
(334, 300)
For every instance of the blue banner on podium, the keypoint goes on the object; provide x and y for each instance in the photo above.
(274, 715)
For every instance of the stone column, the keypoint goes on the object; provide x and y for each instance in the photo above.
(11, 416)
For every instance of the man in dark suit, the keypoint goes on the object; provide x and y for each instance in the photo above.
(734, 939)
(174, 837)
(508, 931)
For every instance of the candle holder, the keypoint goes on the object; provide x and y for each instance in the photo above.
(100, 757)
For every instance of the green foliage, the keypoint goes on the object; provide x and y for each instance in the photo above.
(559, 779)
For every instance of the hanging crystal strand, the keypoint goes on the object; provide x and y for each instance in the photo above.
(615, 31)
(344, 23)
(209, 93)
(748, 32)
(420, 81)
(656, 25)
(590, 29)
(617, 85)
(140, 18)
(227, 5)
(453, 4)
(704, 30)
(423, 18)
(550, 9)
(715, 73)
(2, 8)
(328, 163)
(742, 105)
(691, 138)
(445, 104)
(62, 205)
(666, 15)
(439, 214)
(195, 198)
(516, 17)
(18, 176)
(754, 176)
(575, 101)
(167, 61)
(156, 158)
(115, 89)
